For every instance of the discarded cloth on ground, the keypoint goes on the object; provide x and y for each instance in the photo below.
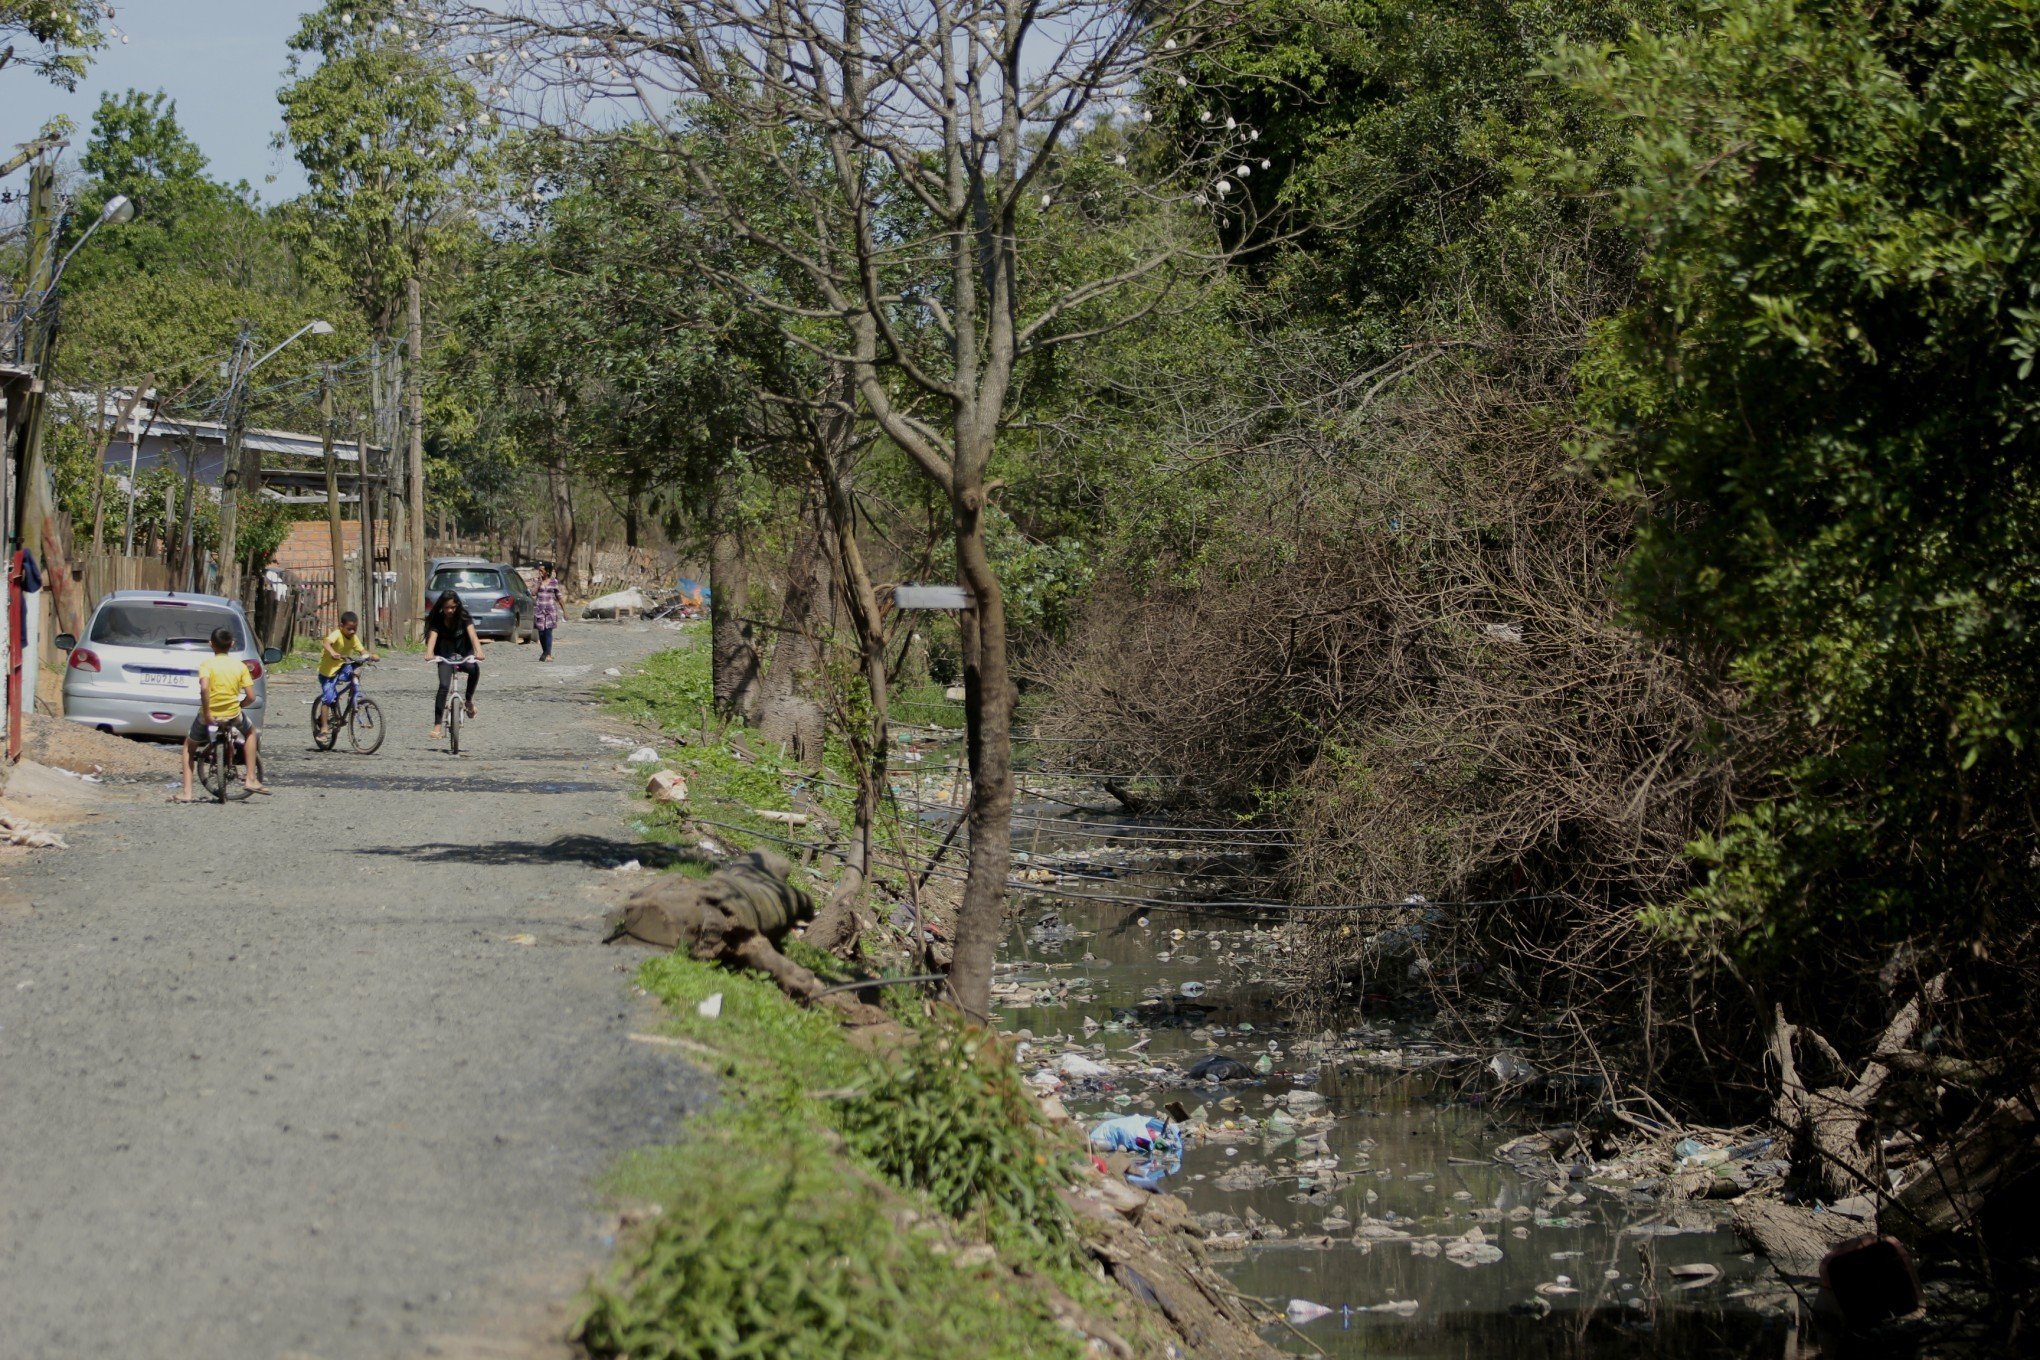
(747, 897)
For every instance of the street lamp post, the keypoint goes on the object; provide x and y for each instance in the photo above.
(240, 470)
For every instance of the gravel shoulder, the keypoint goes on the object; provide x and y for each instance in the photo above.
(331, 1073)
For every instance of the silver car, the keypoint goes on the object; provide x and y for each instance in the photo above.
(494, 594)
(136, 672)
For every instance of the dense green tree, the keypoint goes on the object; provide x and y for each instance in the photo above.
(383, 132)
(184, 219)
(64, 34)
(1832, 381)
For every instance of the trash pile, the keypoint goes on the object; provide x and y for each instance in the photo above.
(1666, 1168)
(1300, 1139)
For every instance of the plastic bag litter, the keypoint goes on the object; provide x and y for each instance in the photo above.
(644, 755)
(1136, 1133)
(19, 831)
(1077, 1067)
(1303, 1310)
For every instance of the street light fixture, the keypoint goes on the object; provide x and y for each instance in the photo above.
(120, 208)
(309, 328)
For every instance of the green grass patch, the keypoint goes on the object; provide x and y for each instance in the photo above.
(768, 1246)
(781, 1229)
(673, 690)
(303, 656)
(729, 780)
(802, 1217)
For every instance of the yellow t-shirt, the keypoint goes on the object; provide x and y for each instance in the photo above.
(221, 680)
(348, 647)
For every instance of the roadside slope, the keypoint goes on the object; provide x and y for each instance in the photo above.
(279, 1077)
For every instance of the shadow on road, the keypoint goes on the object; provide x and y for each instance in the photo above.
(453, 781)
(600, 852)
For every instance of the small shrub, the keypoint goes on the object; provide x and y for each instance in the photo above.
(950, 1117)
(769, 1249)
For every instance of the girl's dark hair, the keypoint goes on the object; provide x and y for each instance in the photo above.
(461, 618)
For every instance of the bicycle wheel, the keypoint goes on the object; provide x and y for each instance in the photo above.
(209, 766)
(320, 708)
(223, 768)
(364, 727)
(453, 708)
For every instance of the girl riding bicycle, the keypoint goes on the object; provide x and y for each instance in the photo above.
(451, 640)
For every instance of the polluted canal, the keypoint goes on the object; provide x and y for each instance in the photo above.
(1356, 1173)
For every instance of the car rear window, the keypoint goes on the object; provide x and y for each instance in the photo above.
(163, 623)
(466, 578)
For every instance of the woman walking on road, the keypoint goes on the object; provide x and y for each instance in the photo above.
(545, 616)
(451, 640)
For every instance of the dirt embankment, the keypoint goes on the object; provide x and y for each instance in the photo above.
(72, 746)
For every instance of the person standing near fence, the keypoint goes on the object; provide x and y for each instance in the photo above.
(545, 614)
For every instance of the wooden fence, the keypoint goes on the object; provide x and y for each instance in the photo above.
(103, 575)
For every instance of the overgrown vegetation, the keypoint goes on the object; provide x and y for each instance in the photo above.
(1569, 461)
(806, 1218)
(823, 1209)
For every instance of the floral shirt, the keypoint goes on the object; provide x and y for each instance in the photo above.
(547, 612)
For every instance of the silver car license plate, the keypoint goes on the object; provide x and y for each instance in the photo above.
(165, 681)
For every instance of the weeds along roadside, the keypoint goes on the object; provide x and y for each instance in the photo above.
(731, 781)
(840, 1203)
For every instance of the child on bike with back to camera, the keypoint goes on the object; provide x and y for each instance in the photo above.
(224, 685)
(339, 647)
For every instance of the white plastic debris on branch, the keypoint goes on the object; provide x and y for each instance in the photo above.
(616, 605)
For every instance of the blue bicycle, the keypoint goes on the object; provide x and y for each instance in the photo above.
(350, 709)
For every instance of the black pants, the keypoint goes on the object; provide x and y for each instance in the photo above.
(446, 670)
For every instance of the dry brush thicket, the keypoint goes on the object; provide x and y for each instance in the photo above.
(1403, 644)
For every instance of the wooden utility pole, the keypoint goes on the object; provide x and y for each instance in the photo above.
(332, 489)
(387, 427)
(103, 438)
(414, 492)
(123, 425)
(367, 507)
(229, 561)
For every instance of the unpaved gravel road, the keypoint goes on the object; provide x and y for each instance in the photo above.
(275, 1078)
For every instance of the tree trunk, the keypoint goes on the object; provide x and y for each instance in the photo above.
(734, 660)
(836, 927)
(788, 711)
(561, 495)
(988, 698)
(414, 461)
(1834, 1126)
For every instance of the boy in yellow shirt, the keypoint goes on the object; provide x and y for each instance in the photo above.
(224, 684)
(339, 647)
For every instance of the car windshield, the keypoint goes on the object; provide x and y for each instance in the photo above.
(163, 623)
(465, 578)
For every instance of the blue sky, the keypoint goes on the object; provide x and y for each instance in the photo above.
(221, 60)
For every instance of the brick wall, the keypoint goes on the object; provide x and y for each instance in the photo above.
(309, 546)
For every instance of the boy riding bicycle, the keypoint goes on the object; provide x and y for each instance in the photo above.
(340, 646)
(224, 684)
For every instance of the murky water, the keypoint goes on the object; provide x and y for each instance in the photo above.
(1357, 1193)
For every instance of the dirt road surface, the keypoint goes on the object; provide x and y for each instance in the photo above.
(332, 1073)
